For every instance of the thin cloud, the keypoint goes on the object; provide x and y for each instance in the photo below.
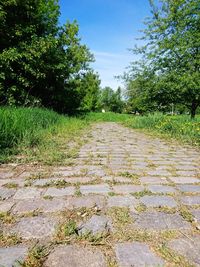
(109, 65)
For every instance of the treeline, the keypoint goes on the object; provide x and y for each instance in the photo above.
(167, 75)
(43, 63)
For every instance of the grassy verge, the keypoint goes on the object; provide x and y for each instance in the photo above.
(180, 127)
(37, 134)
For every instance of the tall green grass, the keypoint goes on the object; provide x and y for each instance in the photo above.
(107, 117)
(38, 133)
(24, 125)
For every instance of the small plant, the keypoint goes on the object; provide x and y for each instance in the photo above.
(78, 192)
(184, 212)
(36, 257)
(145, 192)
(140, 208)
(97, 239)
(111, 194)
(166, 209)
(48, 197)
(70, 228)
(171, 256)
(134, 177)
(9, 239)
(67, 231)
(11, 185)
(7, 218)
(56, 183)
(120, 216)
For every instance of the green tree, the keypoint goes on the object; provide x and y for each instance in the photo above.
(90, 87)
(172, 37)
(111, 100)
(41, 62)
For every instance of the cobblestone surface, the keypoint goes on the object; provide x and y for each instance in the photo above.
(143, 191)
(11, 256)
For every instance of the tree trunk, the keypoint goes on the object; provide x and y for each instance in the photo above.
(193, 109)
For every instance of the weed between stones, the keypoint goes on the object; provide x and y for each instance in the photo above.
(9, 239)
(36, 257)
(7, 218)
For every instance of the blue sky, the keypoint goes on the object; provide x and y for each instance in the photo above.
(108, 28)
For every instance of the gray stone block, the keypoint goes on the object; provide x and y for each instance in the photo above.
(184, 180)
(158, 201)
(6, 193)
(95, 189)
(187, 247)
(9, 257)
(153, 220)
(74, 256)
(28, 193)
(127, 189)
(35, 227)
(189, 188)
(161, 189)
(122, 201)
(95, 225)
(191, 200)
(60, 192)
(136, 254)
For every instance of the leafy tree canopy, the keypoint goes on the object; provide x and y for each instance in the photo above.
(40, 61)
(168, 71)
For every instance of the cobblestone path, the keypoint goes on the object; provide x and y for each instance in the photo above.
(129, 199)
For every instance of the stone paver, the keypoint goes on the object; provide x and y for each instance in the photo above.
(186, 173)
(162, 173)
(35, 227)
(191, 200)
(6, 206)
(6, 175)
(136, 254)
(153, 220)
(184, 180)
(70, 180)
(95, 189)
(118, 179)
(42, 205)
(161, 189)
(10, 257)
(127, 189)
(189, 248)
(6, 193)
(196, 214)
(122, 201)
(74, 256)
(95, 225)
(122, 181)
(153, 180)
(87, 202)
(60, 192)
(27, 193)
(189, 188)
(158, 201)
